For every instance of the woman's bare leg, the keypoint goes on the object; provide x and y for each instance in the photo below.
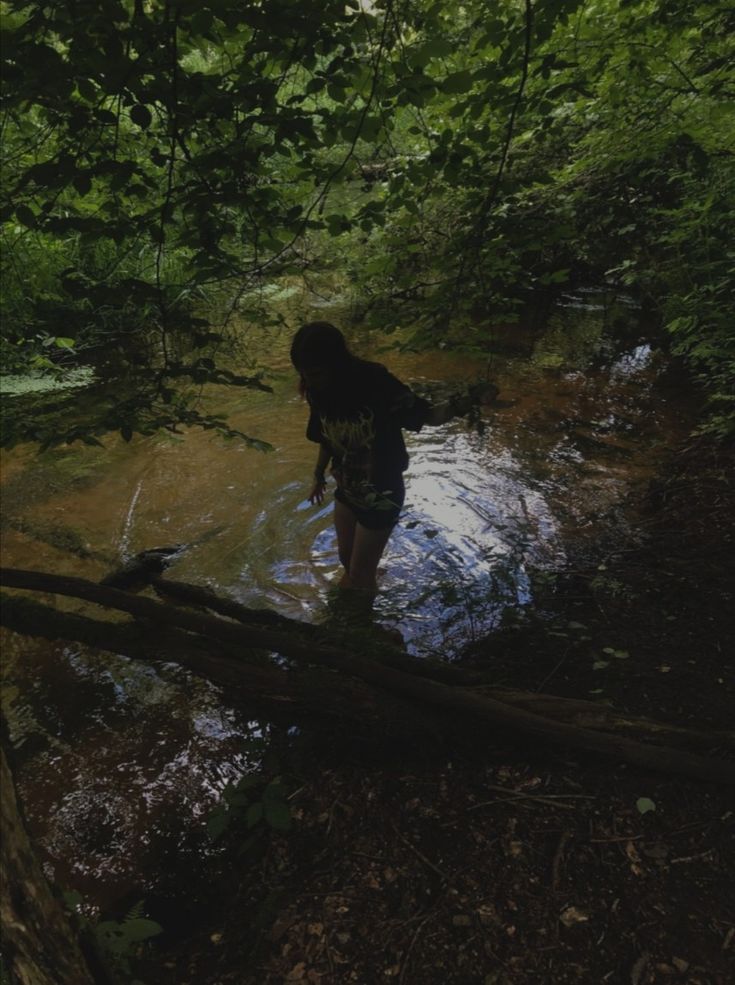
(367, 550)
(344, 523)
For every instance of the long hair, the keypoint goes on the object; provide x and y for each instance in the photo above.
(319, 343)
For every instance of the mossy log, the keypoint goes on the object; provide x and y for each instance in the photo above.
(467, 708)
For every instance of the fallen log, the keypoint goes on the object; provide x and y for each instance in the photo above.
(589, 714)
(314, 696)
(326, 635)
(471, 708)
(308, 698)
(594, 715)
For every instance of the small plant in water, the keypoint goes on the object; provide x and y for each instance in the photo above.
(255, 802)
(117, 942)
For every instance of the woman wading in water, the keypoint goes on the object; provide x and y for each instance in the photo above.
(357, 412)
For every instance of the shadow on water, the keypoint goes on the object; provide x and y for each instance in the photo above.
(118, 762)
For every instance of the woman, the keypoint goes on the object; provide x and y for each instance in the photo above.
(357, 412)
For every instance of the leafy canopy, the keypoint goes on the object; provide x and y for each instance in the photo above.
(164, 157)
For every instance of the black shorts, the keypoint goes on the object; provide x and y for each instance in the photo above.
(384, 514)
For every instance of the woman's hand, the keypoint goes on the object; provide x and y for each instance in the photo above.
(462, 403)
(316, 496)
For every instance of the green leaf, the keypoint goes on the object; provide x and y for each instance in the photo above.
(557, 277)
(72, 899)
(438, 48)
(275, 790)
(337, 224)
(82, 183)
(87, 90)
(277, 815)
(105, 116)
(459, 109)
(422, 54)
(141, 115)
(645, 804)
(337, 93)
(254, 814)
(250, 844)
(141, 930)
(62, 342)
(25, 216)
(457, 82)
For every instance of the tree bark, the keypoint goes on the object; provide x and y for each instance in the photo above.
(40, 946)
(471, 709)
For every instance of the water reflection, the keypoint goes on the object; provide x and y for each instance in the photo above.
(470, 531)
(632, 363)
(119, 759)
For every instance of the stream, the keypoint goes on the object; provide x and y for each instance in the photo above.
(119, 763)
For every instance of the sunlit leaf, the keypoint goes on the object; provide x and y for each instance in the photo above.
(645, 805)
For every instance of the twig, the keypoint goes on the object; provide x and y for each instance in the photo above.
(410, 948)
(427, 861)
(513, 800)
(554, 796)
(690, 858)
(520, 795)
(556, 864)
(553, 671)
(477, 237)
(329, 955)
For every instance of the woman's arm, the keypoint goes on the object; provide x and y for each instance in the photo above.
(461, 404)
(441, 413)
(320, 482)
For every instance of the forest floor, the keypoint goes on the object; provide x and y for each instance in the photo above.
(504, 864)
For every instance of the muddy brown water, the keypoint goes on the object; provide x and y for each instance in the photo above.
(119, 763)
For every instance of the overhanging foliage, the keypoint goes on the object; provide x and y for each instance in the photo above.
(164, 158)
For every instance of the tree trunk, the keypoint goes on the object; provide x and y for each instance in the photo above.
(38, 943)
(468, 709)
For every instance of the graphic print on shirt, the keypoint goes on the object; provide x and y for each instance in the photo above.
(351, 440)
(350, 436)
